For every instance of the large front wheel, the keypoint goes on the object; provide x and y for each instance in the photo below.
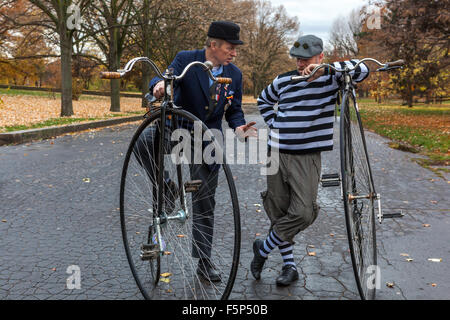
(193, 214)
(358, 197)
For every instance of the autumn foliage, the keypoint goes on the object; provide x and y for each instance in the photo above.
(412, 30)
(37, 49)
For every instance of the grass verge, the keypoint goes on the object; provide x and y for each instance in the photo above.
(63, 121)
(423, 129)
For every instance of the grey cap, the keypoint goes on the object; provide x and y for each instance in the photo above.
(307, 47)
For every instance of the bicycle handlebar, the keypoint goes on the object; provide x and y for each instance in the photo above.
(207, 66)
(110, 75)
(385, 67)
(397, 63)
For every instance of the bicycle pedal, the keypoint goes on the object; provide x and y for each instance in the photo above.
(149, 252)
(330, 180)
(192, 186)
(393, 215)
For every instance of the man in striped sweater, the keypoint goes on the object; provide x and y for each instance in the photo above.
(300, 129)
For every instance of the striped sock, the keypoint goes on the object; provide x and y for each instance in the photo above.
(271, 242)
(286, 254)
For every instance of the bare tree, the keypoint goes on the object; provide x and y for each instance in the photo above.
(144, 36)
(267, 33)
(58, 14)
(108, 24)
(345, 33)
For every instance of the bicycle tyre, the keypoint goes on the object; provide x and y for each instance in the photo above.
(357, 181)
(183, 282)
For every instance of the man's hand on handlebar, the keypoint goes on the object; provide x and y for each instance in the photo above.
(309, 69)
(158, 90)
(246, 130)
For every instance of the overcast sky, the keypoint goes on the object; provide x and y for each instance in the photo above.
(316, 16)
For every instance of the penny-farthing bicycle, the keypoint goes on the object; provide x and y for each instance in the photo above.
(356, 180)
(161, 200)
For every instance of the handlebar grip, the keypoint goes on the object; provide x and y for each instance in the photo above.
(224, 80)
(299, 78)
(397, 63)
(110, 75)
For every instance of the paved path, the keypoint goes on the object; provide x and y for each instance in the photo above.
(51, 218)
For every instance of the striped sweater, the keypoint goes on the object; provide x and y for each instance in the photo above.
(303, 122)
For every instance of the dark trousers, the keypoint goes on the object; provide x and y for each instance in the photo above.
(203, 200)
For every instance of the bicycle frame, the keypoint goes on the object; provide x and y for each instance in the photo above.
(169, 79)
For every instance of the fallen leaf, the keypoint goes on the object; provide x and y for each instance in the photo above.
(166, 274)
(4, 220)
(404, 254)
(435, 259)
(433, 201)
(312, 254)
(53, 269)
(390, 284)
(258, 210)
(168, 291)
(167, 253)
(311, 246)
(181, 236)
(433, 284)
(87, 180)
(331, 234)
(257, 205)
(409, 259)
(166, 280)
(426, 225)
(257, 234)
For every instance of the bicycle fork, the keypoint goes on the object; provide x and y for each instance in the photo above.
(381, 216)
(334, 180)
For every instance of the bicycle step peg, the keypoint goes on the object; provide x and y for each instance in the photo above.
(192, 186)
(393, 215)
(330, 176)
(330, 180)
(149, 251)
(326, 184)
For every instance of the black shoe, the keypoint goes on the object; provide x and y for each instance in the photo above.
(258, 261)
(288, 275)
(206, 271)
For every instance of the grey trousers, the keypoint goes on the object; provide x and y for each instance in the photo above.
(203, 200)
(290, 199)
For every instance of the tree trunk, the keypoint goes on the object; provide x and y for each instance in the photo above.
(113, 66)
(146, 52)
(66, 71)
(145, 83)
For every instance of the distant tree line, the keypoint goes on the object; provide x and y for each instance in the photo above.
(69, 42)
(416, 31)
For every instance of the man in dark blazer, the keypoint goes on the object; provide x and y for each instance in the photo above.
(208, 101)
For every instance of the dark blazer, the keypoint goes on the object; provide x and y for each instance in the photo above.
(192, 92)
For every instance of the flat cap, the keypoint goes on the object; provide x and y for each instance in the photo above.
(225, 30)
(307, 47)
